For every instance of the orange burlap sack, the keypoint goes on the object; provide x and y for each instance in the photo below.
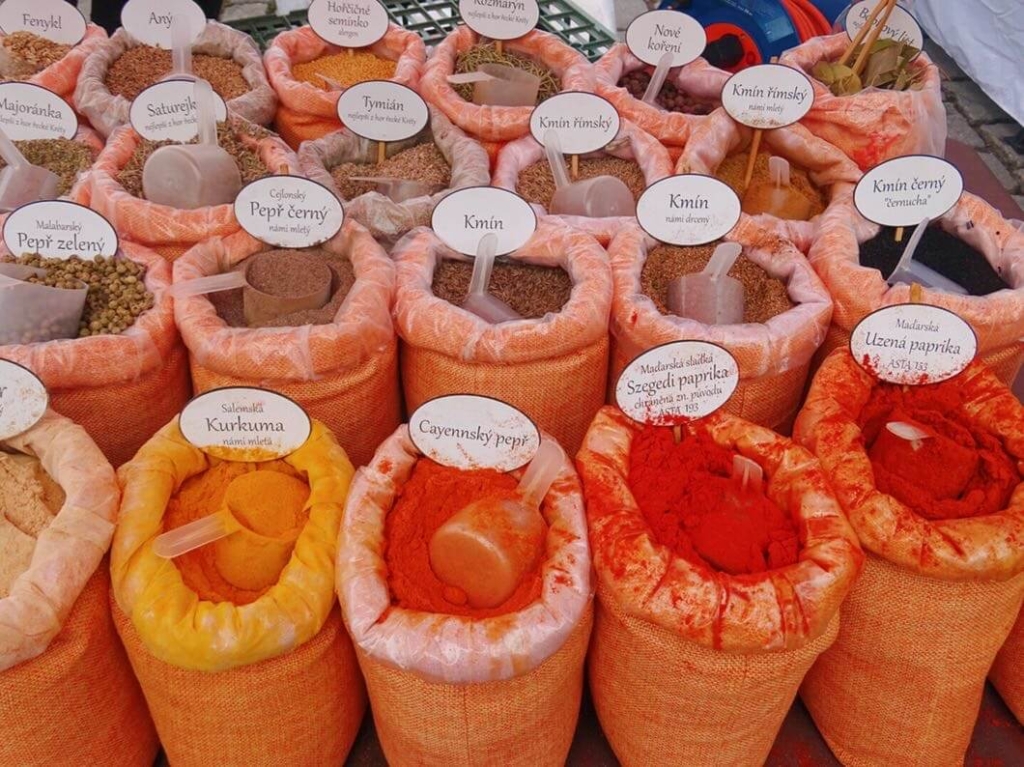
(997, 319)
(108, 112)
(119, 388)
(307, 111)
(344, 374)
(874, 125)
(62, 76)
(553, 368)
(66, 689)
(1008, 671)
(631, 143)
(904, 680)
(500, 124)
(453, 690)
(690, 666)
(719, 136)
(386, 219)
(773, 357)
(167, 230)
(698, 78)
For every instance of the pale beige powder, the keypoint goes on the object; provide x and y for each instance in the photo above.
(29, 499)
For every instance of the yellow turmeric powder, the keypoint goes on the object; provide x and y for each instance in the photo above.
(344, 69)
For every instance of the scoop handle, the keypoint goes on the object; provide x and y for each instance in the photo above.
(184, 539)
(778, 170)
(658, 78)
(207, 112)
(553, 150)
(11, 154)
(469, 77)
(908, 253)
(722, 259)
(203, 285)
(483, 263)
(540, 474)
(181, 45)
(747, 473)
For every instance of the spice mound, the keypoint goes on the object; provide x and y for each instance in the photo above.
(63, 156)
(764, 296)
(139, 67)
(810, 201)
(423, 162)
(688, 497)
(486, 53)
(944, 252)
(432, 494)
(670, 97)
(959, 470)
(532, 291)
(344, 69)
(536, 184)
(29, 500)
(32, 53)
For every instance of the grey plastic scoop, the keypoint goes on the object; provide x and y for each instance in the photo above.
(597, 197)
(658, 78)
(710, 297)
(400, 189)
(499, 86)
(910, 272)
(189, 176)
(915, 435)
(30, 313)
(479, 301)
(21, 182)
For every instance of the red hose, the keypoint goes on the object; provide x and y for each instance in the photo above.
(808, 20)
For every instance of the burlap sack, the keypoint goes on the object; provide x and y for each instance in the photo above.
(95, 142)
(269, 682)
(452, 690)
(874, 125)
(904, 681)
(553, 368)
(306, 111)
(1008, 671)
(169, 231)
(997, 319)
(62, 76)
(632, 143)
(773, 357)
(386, 219)
(718, 658)
(345, 373)
(719, 136)
(65, 684)
(108, 112)
(697, 78)
(119, 388)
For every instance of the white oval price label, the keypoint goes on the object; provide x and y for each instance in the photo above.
(149, 21)
(466, 431)
(913, 344)
(289, 211)
(381, 110)
(243, 424)
(768, 96)
(653, 34)
(689, 209)
(167, 111)
(584, 122)
(23, 399)
(500, 19)
(59, 229)
(901, 26)
(677, 382)
(348, 23)
(907, 190)
(30, 111)
(463, 218)
(55, 20)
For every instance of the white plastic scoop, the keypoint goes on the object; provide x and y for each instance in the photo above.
(486, 548)
(189, 176)
(710, 297)
(21, 182)
(30, 313)
(747, 474)
(910, 272)
(181, 49)
(331, 84)
(597, 197)
(478, 300)
(400, 189)
(777, 198)
(499, 86)
(915, 435)
(658, 78)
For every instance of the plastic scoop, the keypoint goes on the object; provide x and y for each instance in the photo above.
(777, 198)
(747, 474)
(400, 189)
(31, 313)
(910, 272)
(658, 78)
(597, 197)
(499, 86)
(181, 49)
(915, 435)
(479, 301)
(331, 84)
(487, 547)
(21, 182)
(710, 297)
(189, 176)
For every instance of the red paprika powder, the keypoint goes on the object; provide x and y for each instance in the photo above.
(687, 496)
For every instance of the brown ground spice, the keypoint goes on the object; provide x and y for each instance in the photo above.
(734, 167)
(536, 184)
(531, 290)
(423, 162)
(139, 67)
(764, 296)
(63, 156)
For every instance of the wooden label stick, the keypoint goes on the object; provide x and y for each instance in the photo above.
(382, 151)
(899, 234)
(499, 46)
(575, 163)
(755, 145)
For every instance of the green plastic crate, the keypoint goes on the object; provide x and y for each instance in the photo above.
(434, 19)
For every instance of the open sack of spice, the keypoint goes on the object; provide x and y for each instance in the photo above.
(515, 667)
(32, 58)
(59, 653)
(722, 558)
(237, 641)
(930, 479)
(1007, 672)
(67, 158)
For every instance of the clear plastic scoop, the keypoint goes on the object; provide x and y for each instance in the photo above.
(189, 176)
(499, 86)
(658, 78)
(479, 301)
(710, 297)
(21, 182)
(331, 84)
(597, 197)
(30, 313)
(487, 547)
(913, 434)
(747, 474)
(181, 49)
(777, 198)
(400, 189)
(910, 272)
(203, 531)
